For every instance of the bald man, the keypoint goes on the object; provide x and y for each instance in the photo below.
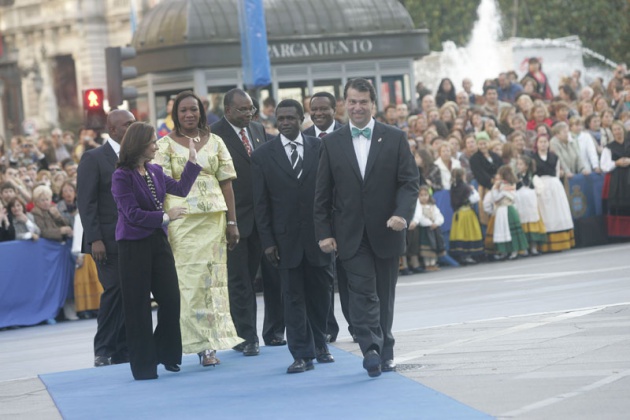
(98, 216)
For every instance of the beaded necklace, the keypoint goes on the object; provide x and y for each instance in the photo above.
(151, 185)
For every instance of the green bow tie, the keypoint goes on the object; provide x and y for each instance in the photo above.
(366, 132)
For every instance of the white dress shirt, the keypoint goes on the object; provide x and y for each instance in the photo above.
(115, 146)
(362, 146)
(238, 133)
(288, 149)
(327, 131)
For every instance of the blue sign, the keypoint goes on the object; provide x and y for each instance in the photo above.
(254, 54)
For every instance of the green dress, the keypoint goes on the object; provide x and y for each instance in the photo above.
(199, 245)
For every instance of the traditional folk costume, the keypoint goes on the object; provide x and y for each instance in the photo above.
(465, 239)
(553, 205)
(431, 240)
(505, 234)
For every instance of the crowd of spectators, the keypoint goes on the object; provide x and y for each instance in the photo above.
(460, 139)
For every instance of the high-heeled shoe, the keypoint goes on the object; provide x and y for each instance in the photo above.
(208, 358)
(172, 368)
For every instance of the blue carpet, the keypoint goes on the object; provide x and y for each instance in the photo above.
(250, 387)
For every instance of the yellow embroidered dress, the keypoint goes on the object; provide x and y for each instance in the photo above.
(199, 245)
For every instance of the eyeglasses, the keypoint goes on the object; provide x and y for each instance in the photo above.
(54, 169)
(246, 111)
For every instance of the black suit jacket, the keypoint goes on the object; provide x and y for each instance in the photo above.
(284, 204)
(94, 198)
(390, 188)
(311, 130)
(242, 185)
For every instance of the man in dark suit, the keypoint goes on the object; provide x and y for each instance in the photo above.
(367, 188)
(242, 136)
(284, 172)
(323, 116)
(99, 215)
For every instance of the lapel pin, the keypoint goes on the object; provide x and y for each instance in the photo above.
(379, 139)
(257, 141)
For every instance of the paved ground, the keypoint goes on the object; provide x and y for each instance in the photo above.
(516, 340)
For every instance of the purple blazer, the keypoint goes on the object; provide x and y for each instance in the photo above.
(137, 215)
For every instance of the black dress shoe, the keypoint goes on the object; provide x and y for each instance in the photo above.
(372, 363)
(323, 356)
(172, 368)
(102, 361)
(300, 365)
(276, 342)
(251, 349)
(239, 347)
(405, 272)
(388, 366)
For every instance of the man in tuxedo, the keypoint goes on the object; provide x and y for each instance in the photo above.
(284, 173)
(366, 193)
(242, 136)
(323, 116)
(99, 215)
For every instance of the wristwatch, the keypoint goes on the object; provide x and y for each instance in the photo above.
(231, 223)
(165, 219)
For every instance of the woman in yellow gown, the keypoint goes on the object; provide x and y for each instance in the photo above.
(200, 240)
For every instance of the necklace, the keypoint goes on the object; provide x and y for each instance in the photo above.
(196, 139)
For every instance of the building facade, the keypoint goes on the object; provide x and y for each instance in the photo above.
(53, 50)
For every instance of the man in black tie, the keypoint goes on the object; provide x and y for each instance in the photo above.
(99, 215)
(242, 136)
(284, 172)
(323, 106)
(367, 189)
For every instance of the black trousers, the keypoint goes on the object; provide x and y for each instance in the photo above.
(372, 286)
(242, 264)
(110, 339)
(273, 324)
(306, 297)
(147, 266)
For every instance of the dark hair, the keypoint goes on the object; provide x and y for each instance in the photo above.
(389, 106)
(228, 98)
(66, 162)
(6, 186)
(12, 202)
(362, 85)
(569, 91)
(291, 103)
(137, 138)
(74, 187)
(256, 105)
(490, 87)
(457, 176)
(428, 190)
(203, 122)
(587, 121)
(427, 161)
(507, 174)
(330, 96)
(529, 162)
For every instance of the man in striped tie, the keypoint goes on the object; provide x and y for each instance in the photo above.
(284, 172)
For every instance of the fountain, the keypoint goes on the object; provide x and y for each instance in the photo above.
(485, 56)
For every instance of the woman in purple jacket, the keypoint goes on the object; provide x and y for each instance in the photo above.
(146, 260)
